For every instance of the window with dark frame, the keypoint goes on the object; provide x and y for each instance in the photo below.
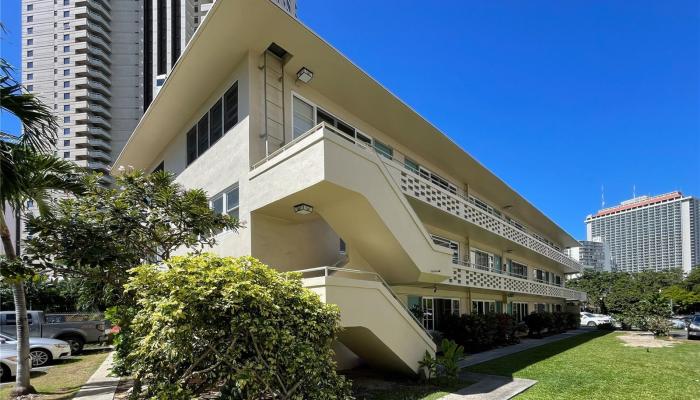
(221, 117)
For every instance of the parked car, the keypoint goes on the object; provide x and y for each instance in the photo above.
(8, 364)
(42, 351)
(694, 327)
(680, 321)
(590, 319)
(76, 333)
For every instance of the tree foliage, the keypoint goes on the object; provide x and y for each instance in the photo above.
(634, 299)
(685, 295)
(232, 324)
(101, 235)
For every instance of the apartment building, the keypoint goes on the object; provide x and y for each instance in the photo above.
(650, 232)
(336, 177)
(592, 254)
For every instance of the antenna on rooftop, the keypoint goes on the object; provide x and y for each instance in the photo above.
(634, 191)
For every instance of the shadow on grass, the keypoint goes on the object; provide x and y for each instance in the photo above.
(509, 364)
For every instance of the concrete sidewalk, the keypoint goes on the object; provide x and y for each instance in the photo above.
(100, 386)
(524, 344)
(490, 387)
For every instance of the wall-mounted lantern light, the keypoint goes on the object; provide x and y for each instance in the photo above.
(305, 75)
(303, 209)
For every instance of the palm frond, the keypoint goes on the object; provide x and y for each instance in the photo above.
(38, 122)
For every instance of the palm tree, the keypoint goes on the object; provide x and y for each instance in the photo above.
(27, 171)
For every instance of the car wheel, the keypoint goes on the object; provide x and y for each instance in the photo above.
(4, 372)
(40, 357)
(76, 343)
(591, 324)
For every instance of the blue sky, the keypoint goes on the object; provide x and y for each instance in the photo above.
(558, 98)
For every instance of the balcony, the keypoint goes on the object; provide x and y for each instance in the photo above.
(326, 154)
(86, 83)
(476, 276)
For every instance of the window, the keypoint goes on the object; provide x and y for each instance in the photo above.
(11, 319)
(518, 269)
(66, 84)
(30, 77)
(30, 18)
(520, 310)
(30, 53)
(66, 26)
(232, 202)
(203, 134)
(66, 2)
(66, 142)
(226, 202)
(231, 107)
(303, 119)
(66, 131)
(342, 247)
(449, 244)
(540, 307)
(383, 150)
(66, 107)
(66, 49)
(208, 129)
(557, 307)
(216, 122)
(66, 72)
(66, 14)
(481, 259)
(66, 37)
(192, 145)
(30, 88)
(30, 30)
(66, 154)
(66, 119)
(30, 7)
(66, 96)
(411, 165)
(482, 307)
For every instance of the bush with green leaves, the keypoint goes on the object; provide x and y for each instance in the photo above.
(573, 320)
(446, 366)
(606, 327)
(207, 323)
(538, 322)
(481, 332)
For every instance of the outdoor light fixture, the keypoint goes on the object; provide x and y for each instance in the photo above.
(305, 75)
(509, 251)
(507, 206)
(303, 209)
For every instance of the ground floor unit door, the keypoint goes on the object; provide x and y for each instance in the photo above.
(436, 309)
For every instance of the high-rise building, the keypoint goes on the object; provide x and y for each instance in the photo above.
(650, 233)
(592, 254)
(335, 176)
(99, 63)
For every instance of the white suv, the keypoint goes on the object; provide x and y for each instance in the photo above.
(590, 319)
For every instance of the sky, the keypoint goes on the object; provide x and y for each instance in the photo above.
(563, 100)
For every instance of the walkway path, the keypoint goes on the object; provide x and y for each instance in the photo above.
(100, 386)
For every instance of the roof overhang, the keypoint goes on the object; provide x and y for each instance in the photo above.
(232, 28)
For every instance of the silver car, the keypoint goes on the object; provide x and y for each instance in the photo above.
(8, 364)
(42, 351)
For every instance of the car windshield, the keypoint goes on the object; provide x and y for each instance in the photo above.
(7, 337)
(696, 320)
(587, 314)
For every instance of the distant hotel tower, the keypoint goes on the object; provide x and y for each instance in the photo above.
(650, 233)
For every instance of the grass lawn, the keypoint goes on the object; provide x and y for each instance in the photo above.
(64, 378)
(597, 365)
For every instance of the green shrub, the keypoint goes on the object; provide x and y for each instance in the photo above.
(573, 320)
(606, 327)
(232, 325)
(480, 332)
(558, 322)
(537, 322)
(658, 325)
(447, 362)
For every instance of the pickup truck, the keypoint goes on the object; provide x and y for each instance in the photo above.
(76, 333)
